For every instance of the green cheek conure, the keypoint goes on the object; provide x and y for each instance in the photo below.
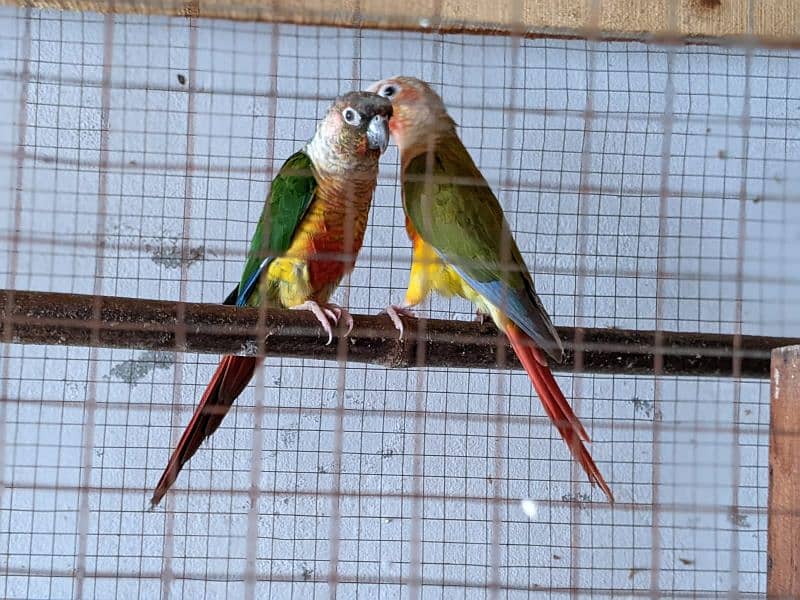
(307, 239)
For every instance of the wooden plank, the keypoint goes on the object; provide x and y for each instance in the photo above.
(783, 530)
(772, 22)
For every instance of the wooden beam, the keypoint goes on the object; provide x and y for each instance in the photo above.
(68, 319)
(770, 22)
(783, 529)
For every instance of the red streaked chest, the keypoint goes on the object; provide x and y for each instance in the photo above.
(332, 234)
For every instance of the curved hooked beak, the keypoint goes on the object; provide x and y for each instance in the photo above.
(378, 133)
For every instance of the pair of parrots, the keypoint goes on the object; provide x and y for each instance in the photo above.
(312, 227)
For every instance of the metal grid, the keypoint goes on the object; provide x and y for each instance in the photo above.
(648, 187)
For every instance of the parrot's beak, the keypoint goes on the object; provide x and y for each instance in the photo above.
(378, 133)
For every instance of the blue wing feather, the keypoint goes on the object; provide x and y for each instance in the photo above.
(459, 216)
(245, 290)
(518, 305)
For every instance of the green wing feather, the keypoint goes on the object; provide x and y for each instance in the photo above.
(290, 195)
(452, 208)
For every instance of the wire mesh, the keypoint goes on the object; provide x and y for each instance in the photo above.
(647, 186)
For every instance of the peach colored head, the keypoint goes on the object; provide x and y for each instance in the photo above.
(419, 116)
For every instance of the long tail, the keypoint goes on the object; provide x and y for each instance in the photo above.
(230, 378)
(556, 406)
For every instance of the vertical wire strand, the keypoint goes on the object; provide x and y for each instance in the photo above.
(341, 360)
(191, 9)
(99, 275)
(736, 449)
(501, 397)
(256, 463)
(23, 49)
(582, 231)
(416, 558)
(19, 174)
(661, 274)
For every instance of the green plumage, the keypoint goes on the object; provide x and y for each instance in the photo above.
(452, 208)
(290, 195)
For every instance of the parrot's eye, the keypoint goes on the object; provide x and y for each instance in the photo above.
(351, 116)
(388, 91)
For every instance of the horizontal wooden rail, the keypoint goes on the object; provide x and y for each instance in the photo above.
(28, 317)
(769, 22)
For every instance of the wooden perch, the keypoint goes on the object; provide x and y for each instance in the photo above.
(111, 322)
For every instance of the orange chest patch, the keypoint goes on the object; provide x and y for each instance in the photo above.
(332, 246)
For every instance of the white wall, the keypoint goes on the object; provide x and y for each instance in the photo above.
(595, 256)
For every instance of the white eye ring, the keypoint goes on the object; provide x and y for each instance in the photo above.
(388, 91)
(351, 116)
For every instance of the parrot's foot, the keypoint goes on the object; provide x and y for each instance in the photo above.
(327, 314)
(395, 311)
(341, 314)
(480, 317)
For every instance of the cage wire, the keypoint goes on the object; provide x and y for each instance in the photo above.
(648, 187)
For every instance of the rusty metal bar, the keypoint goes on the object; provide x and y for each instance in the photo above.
(67, 319)
(783, 529)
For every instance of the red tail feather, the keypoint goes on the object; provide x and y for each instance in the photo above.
(228, 381)
(556, 392)
(556, 405)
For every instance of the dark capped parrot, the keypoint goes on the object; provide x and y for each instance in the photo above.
(307, 239)
(462, 245)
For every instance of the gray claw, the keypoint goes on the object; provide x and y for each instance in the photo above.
(321, 315)
(394, 311)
